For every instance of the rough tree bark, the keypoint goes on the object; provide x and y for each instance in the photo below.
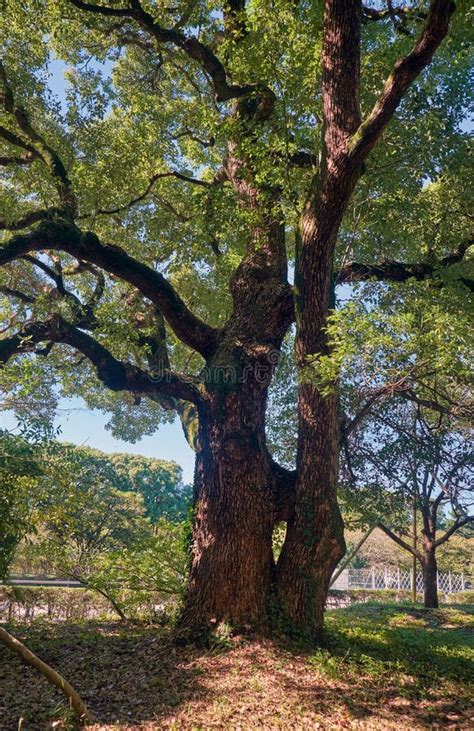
(232, 560)
(315, 543)
(430, 577)
(238, 495)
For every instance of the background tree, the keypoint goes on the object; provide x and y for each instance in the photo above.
(423, 463)
(78, 513)
(92, 531)
(20, 492)
(149, 226)
(158, 482)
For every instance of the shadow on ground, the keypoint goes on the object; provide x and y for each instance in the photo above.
(385, 667)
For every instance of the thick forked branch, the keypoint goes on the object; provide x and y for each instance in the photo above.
(404, 73)
(115, 374)
(400, 542)
(395, 271)
(87, 247)
(192, 47)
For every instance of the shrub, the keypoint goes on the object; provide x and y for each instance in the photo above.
(462, 597)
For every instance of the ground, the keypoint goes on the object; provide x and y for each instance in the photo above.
(385, 667)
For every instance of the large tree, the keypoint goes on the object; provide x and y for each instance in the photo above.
(151, 223)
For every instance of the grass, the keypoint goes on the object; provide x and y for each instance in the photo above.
(385, 667)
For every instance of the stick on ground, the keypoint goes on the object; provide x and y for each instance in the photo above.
(51, 675)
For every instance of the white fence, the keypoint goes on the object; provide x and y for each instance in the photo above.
(389, 578)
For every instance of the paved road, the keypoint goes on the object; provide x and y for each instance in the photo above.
(43, 582)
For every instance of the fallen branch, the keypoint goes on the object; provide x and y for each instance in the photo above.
(51, 675)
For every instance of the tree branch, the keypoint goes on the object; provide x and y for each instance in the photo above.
(395, 271)
(115, 374)
(13, 139)
(17, 294)
(49, 673)
(148, 189)
(303, 159)
(29, 219)
(32, 141)
(83, 313)
(27, 159)
(192, 47)
(409, 395)
(400, 542)
(349, 427)
(455, 527)
(397, 13)
(63, 236)
(404, 73)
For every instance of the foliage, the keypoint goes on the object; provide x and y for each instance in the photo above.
(191, 154)
(416, 336)
(464, 597)
(95, 94)
(82, 514)
(144, 578)
(158, 482)
(33, 603)
(408, 454)
(20, 492)
(379, 550)
(457, 555)
(98, 534)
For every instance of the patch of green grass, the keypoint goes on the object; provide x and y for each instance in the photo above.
(399, 644)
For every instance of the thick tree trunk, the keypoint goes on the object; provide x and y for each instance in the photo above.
(430, 579)
(235, 492)
(314, 543)
(232, 562)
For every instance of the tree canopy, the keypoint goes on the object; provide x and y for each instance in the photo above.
(207, 178)
(133, 140)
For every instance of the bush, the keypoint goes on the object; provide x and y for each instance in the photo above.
(343, 598)
(462, 597)
(58, 604)
(55, 604)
